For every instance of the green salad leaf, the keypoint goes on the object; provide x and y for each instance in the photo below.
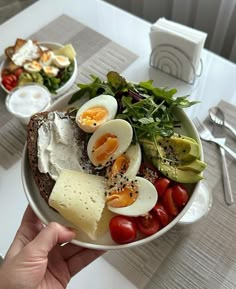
(96, 87)
(147, 108)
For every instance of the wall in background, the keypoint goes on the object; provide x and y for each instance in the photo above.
(215, 17)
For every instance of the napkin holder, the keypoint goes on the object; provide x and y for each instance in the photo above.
(176, 50)
(161, 63)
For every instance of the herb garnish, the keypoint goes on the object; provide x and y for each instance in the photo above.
(146, 107)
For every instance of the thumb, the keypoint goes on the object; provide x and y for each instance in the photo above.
(48, 237)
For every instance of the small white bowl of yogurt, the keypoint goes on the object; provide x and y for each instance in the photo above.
(24, 101)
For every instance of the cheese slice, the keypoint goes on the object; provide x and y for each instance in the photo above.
(79, 198)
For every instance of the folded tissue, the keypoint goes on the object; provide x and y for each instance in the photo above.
(176, 49)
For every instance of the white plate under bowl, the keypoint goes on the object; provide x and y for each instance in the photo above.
(46, 214)
(62, 89)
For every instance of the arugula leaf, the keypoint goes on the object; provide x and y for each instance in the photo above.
(167, 95)
(93, 89)
(146, 107)
(52, 83)
(182, 102)
(78, 95)
(147, 118)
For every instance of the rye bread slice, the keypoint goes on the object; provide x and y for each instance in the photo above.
(44, 181)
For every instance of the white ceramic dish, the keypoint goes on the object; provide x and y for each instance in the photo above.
(62, 89)
(47, 214)
(24, 101)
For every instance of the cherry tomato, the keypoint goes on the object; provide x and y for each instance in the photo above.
(168, 202)
(180, 195)
(161, 185)
(9, 81)
(18, 72)
(149, 172)
(148, 225)
(160, 211)
(122, 229)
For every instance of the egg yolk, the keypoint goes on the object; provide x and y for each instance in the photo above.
(123, 193)
(104, 148)
(120, 165)
(123, 197)
(61, 58)
(34, 65)
(94, 116)
(46, 56)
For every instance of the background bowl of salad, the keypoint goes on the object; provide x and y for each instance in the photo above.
(55, 68)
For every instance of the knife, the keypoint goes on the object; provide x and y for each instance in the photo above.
(219, 132)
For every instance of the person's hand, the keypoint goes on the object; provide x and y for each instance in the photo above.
(36, 259)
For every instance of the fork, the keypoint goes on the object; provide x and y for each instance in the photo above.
(219, 132)
(206, 135)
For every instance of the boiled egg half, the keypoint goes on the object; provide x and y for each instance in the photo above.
(109, 141)
(33, 66)
(128, 163)
(95, 112)
(136, 199)
(46, 58)
(51, 70)
(61, 61)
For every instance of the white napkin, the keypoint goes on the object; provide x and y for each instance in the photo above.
(176, 48)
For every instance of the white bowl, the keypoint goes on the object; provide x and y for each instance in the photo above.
(46, 214)
(62, 89)
(24, 101)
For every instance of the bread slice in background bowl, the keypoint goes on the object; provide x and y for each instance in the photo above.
(53, 46)
(104, 241)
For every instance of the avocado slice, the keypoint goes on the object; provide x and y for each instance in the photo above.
(177, 157)
(175, 148)
(25, 78)
(176, 174)
(196, 166)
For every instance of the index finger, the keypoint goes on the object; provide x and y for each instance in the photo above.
(28, 230)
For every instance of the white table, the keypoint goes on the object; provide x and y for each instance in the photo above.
(218, 81)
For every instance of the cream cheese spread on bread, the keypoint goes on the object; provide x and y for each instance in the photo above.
(57, 147)
(26, 52)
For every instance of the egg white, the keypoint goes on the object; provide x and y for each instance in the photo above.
(32, 66)
(146, 200)
(106, 101)
(49, 55)
(134, 156)
(50, 70)
(118, 127)
(61, 61)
